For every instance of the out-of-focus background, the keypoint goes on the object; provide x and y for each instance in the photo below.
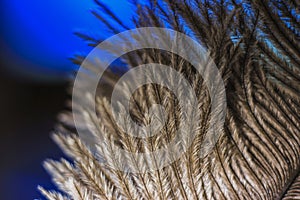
(37, 40)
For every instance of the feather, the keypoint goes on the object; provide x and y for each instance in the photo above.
(257, 155)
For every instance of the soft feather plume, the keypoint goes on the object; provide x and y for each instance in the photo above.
(255, 45)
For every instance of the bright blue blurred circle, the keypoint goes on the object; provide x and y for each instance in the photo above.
(40, 33)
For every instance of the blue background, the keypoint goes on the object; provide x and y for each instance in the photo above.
(39, 38)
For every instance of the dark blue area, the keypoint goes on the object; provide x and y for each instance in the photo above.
(29, 115)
